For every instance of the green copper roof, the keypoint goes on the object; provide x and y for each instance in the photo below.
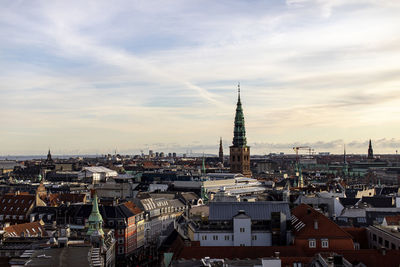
(239, 132)
(95, 220)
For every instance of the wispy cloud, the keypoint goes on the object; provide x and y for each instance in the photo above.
(92, 76)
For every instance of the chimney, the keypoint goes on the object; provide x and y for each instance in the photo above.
(315, 224)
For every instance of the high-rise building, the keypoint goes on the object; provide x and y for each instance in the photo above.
(239, 152)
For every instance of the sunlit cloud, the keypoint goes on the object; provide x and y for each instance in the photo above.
(94, 76)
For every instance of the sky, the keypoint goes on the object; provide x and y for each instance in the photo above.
(94, 77)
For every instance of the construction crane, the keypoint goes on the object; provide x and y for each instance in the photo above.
(297, 148)
(298, 168)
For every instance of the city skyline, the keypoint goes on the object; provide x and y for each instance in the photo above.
(92, 78)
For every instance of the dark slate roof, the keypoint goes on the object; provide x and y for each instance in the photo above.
(351, 193)
(348, 201)
(256, 210)
(81, 210)
(386, 190)
(378, 202)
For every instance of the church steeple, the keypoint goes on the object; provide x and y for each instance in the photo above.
(239, 132)
(49, 159)
(239, 159)
(95, 220)
(370, 150)
(221, 151)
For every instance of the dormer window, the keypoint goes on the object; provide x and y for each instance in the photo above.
(312, 243)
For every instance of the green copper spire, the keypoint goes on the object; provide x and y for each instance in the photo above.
(204, 194)
(203, 167)
(95, 219)
(239, 132)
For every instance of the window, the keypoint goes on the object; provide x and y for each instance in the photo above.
(120, 250)
(380, 240)
(374, 237)
(312, 243)
(386, 243)
(254, 237)
(393, 246)
(120, 240)
(215, 237)
(361, 220)
(324, 243)
(242, 245)
(227, 237)
(241, 229)
(120, 231)
(204, 237)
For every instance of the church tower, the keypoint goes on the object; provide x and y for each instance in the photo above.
(370, 151)
(49, 159)
(239, 152)
(221, 151)
(95, 220)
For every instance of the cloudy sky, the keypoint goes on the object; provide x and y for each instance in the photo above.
(84, 77)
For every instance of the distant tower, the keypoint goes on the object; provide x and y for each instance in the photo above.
(221, 151)
(370, 150)
(203, 166)
(95, 220)
(300, 173)
(239, 152)
(49, 159)
(345, 165)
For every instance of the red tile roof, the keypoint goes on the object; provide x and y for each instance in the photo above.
(132, 207)
(359, 235)
(372, 257)
(16, 204)
(57, 199)
(237, 252)
(325, 228)
(25, 229)
(393, 220)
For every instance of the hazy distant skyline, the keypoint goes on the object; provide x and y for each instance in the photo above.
(89, 77)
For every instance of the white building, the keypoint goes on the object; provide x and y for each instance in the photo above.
(236, 187)
(97, 173)
(243, 224)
